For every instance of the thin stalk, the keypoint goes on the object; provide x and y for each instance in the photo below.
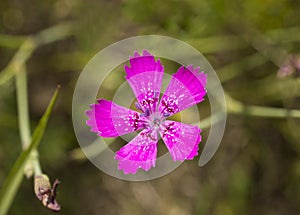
(236, 107)
(22, 101)
(253, 110)
(34, 158)
(33, 163)
(58, 32)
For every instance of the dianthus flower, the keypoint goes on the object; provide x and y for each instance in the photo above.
(145, 74)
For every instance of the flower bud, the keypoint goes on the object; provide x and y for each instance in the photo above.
(45, 193)
(291, 66)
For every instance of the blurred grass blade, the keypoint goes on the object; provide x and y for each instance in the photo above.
(11, 41)
(14, 178)
(49, 35)
(18, 61)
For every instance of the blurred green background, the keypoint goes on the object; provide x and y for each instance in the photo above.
(256, 169)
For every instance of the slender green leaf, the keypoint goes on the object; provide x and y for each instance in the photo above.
(14, 178)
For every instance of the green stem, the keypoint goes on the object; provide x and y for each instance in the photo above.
(22, 101)
(253, 110)
(17, 61)
(33, 163)
(46, 36)
(236, 107)
(13, 180)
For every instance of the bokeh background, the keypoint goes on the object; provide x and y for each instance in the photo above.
(256, 169)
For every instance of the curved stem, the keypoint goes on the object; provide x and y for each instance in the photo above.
(30, 44)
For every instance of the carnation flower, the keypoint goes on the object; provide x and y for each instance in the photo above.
(145, 75)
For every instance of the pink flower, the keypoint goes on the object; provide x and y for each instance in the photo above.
(186, 88)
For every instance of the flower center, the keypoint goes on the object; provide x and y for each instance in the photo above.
(156, 120)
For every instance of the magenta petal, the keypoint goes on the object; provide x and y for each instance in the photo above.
(145, 78)
(108, 119)
(138, 153)
(186, 88)
(142, 63)
(182, 140)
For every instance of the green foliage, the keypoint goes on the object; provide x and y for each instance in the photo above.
(14, 178)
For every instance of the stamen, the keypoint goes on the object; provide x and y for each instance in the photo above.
(147, 113)
(149, 105)
(166, 114)
(156, 98)
(138, 106)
